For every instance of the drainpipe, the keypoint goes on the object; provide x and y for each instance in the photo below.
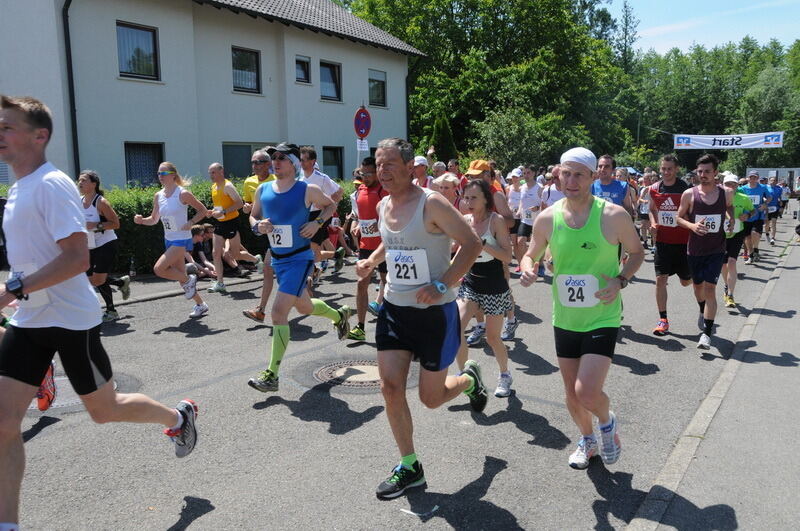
(73, 115)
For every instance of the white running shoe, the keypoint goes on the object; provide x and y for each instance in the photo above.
(504, 382)
(610, 448)
(587, 448)
(476, 335)
(199, 310)
(705, 342)
(190, 287)
(259, 264)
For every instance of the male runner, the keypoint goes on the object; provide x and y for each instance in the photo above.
(742, 206)
(611, 189)
(703, 211)
(584, 234)
(773, 208)
(311, 175)
(261, 174)
(58, 311)
(670, 239)
(368, 195)
(754, 226)
(280, 209)
(419, 317)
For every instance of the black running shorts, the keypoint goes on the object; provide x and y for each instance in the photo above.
(226, 229)
(570, 344)
(363, 254)
(101, 259)
(670, 259)
(734, 244)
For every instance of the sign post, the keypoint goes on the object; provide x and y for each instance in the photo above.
(362, 123)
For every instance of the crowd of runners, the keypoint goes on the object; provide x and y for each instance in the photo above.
(444, 245)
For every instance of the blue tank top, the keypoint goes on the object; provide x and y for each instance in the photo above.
(613, 192)
(757, 195)
(288, 212)
(775, 193)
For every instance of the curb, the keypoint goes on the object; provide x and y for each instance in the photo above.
(174, 292)
(665, 486)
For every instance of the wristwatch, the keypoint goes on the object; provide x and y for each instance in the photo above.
(14, 285)
(99, 227)
(441, 287)
(622, 281)
(320, 221)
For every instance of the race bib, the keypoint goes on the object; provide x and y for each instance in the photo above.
(90, 239)
(577, 291)
(35, 299)
(528, 215)
(170, 223)
(335, 222)
(369, 228)
(772, 209)
(281, 236)
(644, 208)
(667, 218)
(737, 226)
(713, 222)
(756, 199)
(408, 267)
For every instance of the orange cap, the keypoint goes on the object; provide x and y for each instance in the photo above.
(476, 167)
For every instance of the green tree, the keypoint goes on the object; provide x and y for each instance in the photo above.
(442, 139)
(626, 37)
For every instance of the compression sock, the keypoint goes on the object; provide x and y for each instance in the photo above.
(709, 326)
(663, 315)
(280, 340)
(408, 461)
(108, 297)
(702, 305)
(322, 309)
(469, 389)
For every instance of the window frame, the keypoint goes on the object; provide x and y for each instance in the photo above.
(130, 182)
(338, 81)
(257, 53)
(156, 51)
(339, 150)
(302, 59)
(369, 88)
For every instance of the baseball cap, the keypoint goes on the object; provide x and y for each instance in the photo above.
(752, 172)
(476, 167)
(420, 161)
(285, 148)
(730, 178)
(516, 172)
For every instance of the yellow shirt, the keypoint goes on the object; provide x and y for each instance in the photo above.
(223, 200)
(250, 185)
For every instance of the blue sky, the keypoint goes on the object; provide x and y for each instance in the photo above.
(664, 24)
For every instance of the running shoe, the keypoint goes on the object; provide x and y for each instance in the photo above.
(729, 302)
(645, 245)
(338, 260)
(701, 322)
(373, 308)
(509, 327)
(610, 448)
(190, 287)
(256, 315)
(504, 382)
(357, 334)
(218, 287)
(323, 266)
(705, 342)
(747, 260)
(266, 382)
(125, 288)
(476, 335)
(199, 310)
(185, 437)
(400, 480)
(343, 327)
(772, 241)
(259, 264)
(661, 328)
(110, 315)
(587, 448)
(46, 394)
(478, 396)
(755, 256)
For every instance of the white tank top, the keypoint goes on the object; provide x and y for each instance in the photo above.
(174, 215)
(514, 197)
(530, 198)
(92, 215)
(487, 238)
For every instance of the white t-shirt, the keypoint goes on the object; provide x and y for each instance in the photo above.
(530, 198)
(328, 186)
(43, 208)
(551, 194)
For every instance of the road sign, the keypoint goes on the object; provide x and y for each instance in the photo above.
(362, 122)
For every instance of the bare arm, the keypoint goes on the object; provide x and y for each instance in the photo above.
(237, 199)
(542, 228)
(315, 196)
(105, 210)
(683, 213)
(365, 266)
(154, 216)
(501, 206)
(187, 198)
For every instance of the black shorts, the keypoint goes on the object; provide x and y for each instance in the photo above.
(707, 268)
(226, 229)
(515, 228)
(734, 244)
(363, 254)
(101, 259)
(774, 215)
(26, 353)
(643, 217)
(524, 230)
(670, 259)
(321, 234)
(432, 335)
(750, 226)
(573, 345)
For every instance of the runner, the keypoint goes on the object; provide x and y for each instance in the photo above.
(669, 255)
(754, 226)
(262, 173)
(785, 194)
(484, 287)
(514, 197)
(530, 204)
(742, 206)
(170, 207)
(58, 310)
(773, 208)
(702, 211)
(448, 184)
(227, 203)
(101, 220)
(644, 210)
(281, 210)
(419, 317)
(421, 177)
(609, 188)
(368, 195)
(311, 175)
(584, 234)
(552, 192)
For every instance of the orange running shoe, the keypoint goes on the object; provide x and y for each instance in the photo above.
(662, 328)
(46, 394)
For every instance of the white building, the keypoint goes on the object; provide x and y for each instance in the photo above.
(134, 82)
(790, 175)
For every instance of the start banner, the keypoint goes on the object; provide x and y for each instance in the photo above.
(748, 141)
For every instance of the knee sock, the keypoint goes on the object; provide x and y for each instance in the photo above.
(105, 292)
(702, 305)
(663, 315)
(322, 309)
(114, 282)
(280, 340)
(408, 460)
(709, 326)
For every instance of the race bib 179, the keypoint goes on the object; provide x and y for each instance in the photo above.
(667, 218)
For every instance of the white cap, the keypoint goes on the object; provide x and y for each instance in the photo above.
(581, 156)
(420, 161)
(516, 172)
(730, 178)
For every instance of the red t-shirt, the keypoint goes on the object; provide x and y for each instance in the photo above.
(666, 201)
(367, 200)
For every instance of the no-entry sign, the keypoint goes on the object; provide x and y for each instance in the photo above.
(362, 122)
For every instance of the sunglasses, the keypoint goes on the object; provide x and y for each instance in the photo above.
(259, 161)
(279, 156)
(163, 173)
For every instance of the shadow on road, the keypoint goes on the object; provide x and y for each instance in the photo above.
(784, 359)
(192, 328)
(191, 511)
(525, 317)
(622, 501)
(465, 509)
(535, 365)
(41, 424)
(318, 405)
(117, 328)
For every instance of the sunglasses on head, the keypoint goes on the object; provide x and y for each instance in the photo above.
(163, 173)
(279, 156)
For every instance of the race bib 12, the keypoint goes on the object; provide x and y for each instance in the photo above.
(281, 236)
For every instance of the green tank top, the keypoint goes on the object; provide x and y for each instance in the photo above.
(580, 258)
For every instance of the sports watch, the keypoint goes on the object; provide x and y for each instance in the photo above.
(440, 286)
(623, 282)
(14, 286)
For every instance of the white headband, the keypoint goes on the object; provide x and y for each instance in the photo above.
(581, 156)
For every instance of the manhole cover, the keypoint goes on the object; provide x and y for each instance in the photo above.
(65, 395)
(360, 374)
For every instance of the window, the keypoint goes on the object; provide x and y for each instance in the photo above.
(330, 81)
(332, 162)
(137, 51)
(236, 157)
(302, 69)
(141, 163)
(377, 88)
(246, 70)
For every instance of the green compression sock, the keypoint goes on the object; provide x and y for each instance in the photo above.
(322, 309)
(469, 389)
(280, 340)
(408, 460)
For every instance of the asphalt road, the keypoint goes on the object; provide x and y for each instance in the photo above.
(312, 455)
